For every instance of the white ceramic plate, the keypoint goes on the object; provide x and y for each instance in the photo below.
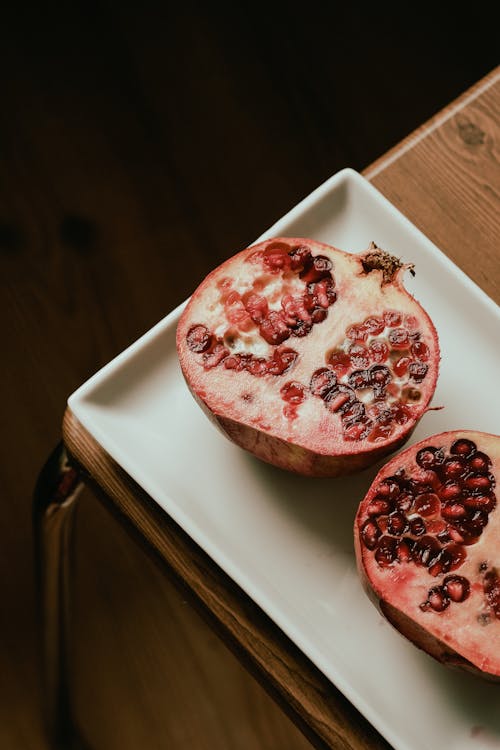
(287, 541)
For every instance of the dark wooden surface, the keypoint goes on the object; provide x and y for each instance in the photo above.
(138, 148)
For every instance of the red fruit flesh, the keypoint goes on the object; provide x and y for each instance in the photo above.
(291, 348)
(435, 573)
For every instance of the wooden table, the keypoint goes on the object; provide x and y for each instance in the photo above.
(445, 178)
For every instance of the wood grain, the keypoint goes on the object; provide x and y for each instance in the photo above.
(316, 706)
(140, 144)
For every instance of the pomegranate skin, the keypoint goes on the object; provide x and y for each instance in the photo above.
(289, 348)
(447, 603)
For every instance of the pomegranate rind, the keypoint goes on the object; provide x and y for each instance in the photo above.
(466, 634)
(305, 438)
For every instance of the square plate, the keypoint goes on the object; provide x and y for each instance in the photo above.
(286, 540)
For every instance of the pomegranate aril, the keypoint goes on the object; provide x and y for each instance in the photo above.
(300, 328)
(357, 430)
(359, 379)
(322, 293)
(397, 524)
(256, 306)
(373, 325)
(426, 550)
(386, 551)
(317, 270)
(392, 318)
(322, 382)
(450, 491)
(457, 588)
(430, 457)
(276, 257)
(354, 412)
(379, 506)
(492, 591)
(318, 315)
(293, 392)
(215, 356)
(418, 371)
(437, 600)
(399, 339)
(401, 366)
(340, 362)
(370, 534)
(463, 447)
(378, 351)
(417, 526)
(359, 356)
(453, 468)
(257, 366)
(453, 512)
(198, 339)
(274, 329)
(487, 503)
(380, 376)
(389, 488)
(282, 360)
(427, 504)
(404, 502)
(356, 333)
(480, 463)
(479, 483)
(441, 563)
(300, 257)
(420, 351)
(404, 550)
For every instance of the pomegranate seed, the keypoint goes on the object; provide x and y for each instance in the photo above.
(450, 491)
(427, 504)
(429, 457)
(359, 356)
(381, 432)
(356, 333)
(399, 338)
(418, 371)
(319, 269)
(256, 306)
(386, 551)
(392, 318)
(401, 366)
(453, 468)
(480, 463)
(322, 382)
(397, 524)
(359, 379)
(420, 351)
(354, 412)
(293, 392)
(300, 257)
(276, 258)
(373, 325)
(380, 376)
(357, 430)
(400, 413)
(274, 329)
(300, 328)
(198, 339)
(427, 549)
(282, 360)
(463, 447)
(453, 512)
(257, 366)
(441, 564)
(370, 533)
(215, 356)
(404, 502)
(379, 506)
(389, 488)
(318, 315)
(378, 351)
(479, 483)
(340, 362)
(404, 550)
(340, 398)
(481, 502)
(294, 310)
(435, 525)
(417, 526)
(437, 600)
(457, 588)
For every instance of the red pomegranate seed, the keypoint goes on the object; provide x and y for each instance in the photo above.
(427, 549)
(404, 550)
(389, 488)
(340, 397)
(378, 351)
(429, 457)
(340, 362)
(317, 270)
(480, 483)
(373, 325)
(404, 502)
(257, 366)
(198, 339)
(256, 306)
(427, 504)
(386, 551)
(356, 430)
(453, 512)
(215, 356)
(453, 468)
(282, 360)
(487, 503)
(293, 392)
(370, 533)
(492, 590)
(401, 366)
(417, 526)
(392, 318)
(322, 382)
(449, 491)
(418, 371)
(397, 524)
(359, 379)
(359, 356)
(436, 600)
(294, 310)
(276, 258)
(457, 588)
(300, 257)
(379, 506)
(274, 329)
(420, 351)
(480, 463)
(399, 339)
(323, 294)
(400, 413)
(463, 447)
(356, 333)
(441, 564)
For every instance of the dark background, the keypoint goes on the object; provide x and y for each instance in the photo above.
(140, 145)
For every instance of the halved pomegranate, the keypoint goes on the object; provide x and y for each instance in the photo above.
(313, 359)
(427, 544)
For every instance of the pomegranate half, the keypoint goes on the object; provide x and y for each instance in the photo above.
(427, 545)
(313, 359)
